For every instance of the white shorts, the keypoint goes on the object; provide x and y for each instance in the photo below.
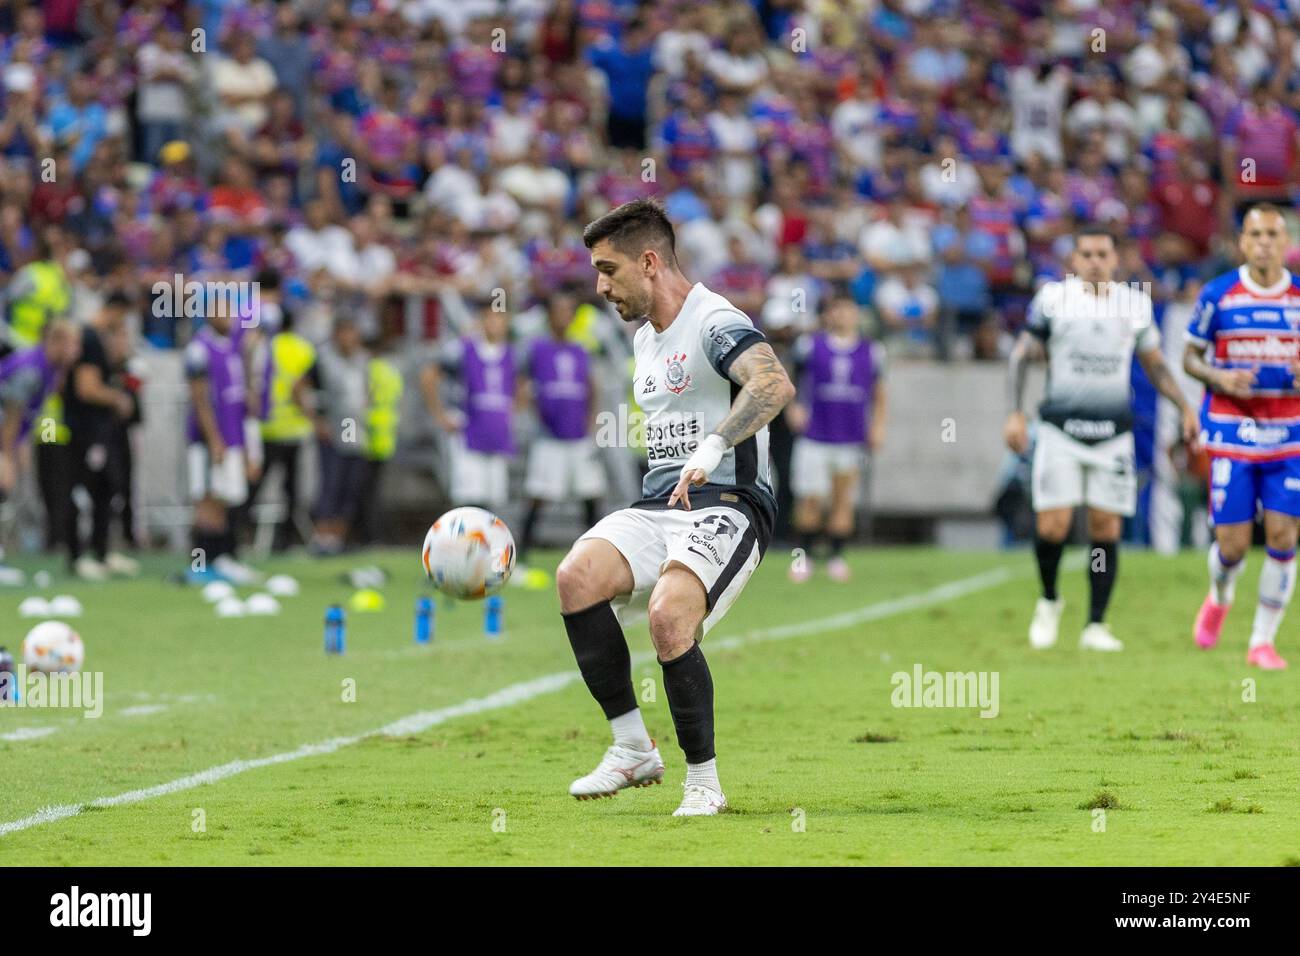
(719, 544)
(227, 482)
(561, 470)
(814, 463)
(1068, 473)
(478, 478)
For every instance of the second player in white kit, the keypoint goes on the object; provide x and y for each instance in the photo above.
(1088, 327)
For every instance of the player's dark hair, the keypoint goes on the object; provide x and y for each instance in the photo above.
(1096, 229)
(117, 299)
(1263, 208)
(838, 292)
(634, 227)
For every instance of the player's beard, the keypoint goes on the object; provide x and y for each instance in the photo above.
(636, 311)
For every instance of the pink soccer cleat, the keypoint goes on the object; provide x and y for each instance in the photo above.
(801, 571)
(1209, 622)
(838, 569)
(1266, 658)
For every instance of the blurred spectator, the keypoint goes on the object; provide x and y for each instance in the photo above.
(909, 313)
(166, 77)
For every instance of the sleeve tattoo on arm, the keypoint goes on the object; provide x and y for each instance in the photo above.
(766, 389)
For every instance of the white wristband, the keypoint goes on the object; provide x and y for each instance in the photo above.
(707, 456)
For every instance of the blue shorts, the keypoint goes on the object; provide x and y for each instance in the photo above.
(1235, 487)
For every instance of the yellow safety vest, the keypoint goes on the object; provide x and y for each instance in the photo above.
(382, 412)
(291, 357)
(636, 417)
(586, 320)
(51, 411)
(50, 296)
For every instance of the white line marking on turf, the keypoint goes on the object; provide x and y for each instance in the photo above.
(517, 694)
(142, 710)
(28, 733)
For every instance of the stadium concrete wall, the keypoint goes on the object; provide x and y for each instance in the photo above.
(941, 459)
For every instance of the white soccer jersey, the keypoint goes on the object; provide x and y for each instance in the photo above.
(1090, 341)
(682, 386)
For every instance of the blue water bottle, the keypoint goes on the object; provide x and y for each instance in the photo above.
(423, 620)
(334, 630)
(492, 622)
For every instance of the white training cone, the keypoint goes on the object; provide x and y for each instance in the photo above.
(281, 585)
(217, 590)
(65, 605)
(34, 606)
(230, 607)
(262, 604)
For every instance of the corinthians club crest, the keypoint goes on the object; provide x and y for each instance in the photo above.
(675, 378)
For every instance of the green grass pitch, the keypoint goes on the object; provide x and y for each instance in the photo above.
(1158, 755)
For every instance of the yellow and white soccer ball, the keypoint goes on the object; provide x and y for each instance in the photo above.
(469, 553)
(52, 647)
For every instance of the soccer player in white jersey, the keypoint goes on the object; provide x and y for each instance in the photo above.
(1087, 328)
(708, 384)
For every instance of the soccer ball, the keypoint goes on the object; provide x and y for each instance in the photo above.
(52, 647)
(468, 553)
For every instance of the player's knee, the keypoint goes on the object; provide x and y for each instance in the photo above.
(1103, 526)
(1279, 538)
(672, 627)
(573, 582)
(1053, 529)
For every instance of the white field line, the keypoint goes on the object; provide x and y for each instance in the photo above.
(28, 733)
(518, 694)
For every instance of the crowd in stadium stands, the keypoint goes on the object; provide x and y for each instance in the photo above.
(932, 156)
(932, 153)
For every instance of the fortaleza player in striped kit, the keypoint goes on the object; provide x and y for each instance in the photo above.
(1243, 342)
(708, 384)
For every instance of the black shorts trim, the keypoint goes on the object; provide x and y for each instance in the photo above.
(738, 559)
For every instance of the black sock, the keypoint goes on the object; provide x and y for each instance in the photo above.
(589, 511)
(1049, 559)
(601, 650)
(205, 542)
(808, 541)
(226, 541)
(837, 545)
(689, 687)
(530, 525)
(1103, 566)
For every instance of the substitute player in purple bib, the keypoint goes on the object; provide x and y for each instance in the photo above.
(708, 384)
(841, 373)
(218, 433)
(562, 463)
(1243, 342)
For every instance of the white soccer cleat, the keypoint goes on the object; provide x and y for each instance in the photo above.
(1097, 637)
(118, 563)
(88, 569)
(1046, 623)
(698, 801)
(234, 572)
(620, 767)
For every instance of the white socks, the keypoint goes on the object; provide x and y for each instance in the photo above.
(1276, 585)
(704, 774)
(629, 731)
(1223, 578)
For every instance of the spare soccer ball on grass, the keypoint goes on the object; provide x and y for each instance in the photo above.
(52, 647)
(469, 553)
